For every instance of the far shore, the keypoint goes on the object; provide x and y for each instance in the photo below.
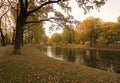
(103, 48)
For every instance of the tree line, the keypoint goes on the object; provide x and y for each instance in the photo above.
(90, 31)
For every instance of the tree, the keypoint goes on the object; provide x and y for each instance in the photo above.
(39, 34)
(35, 32)
(56, 38)
(118, 19)
(4, 9)
(90, 29)
(77, 37)
(79, 33)
(26, 8)
(116, 31)
(68, 34)
(110, 32)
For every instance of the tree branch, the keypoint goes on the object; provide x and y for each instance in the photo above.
(42, 5)
(48, 19)
(4, 14)
(62, 21)
(26, 4)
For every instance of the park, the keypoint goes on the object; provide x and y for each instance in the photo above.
(42, 41)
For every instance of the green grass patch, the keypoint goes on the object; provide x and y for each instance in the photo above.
(32, 66)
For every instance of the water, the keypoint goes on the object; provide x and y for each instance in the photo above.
(104, 60)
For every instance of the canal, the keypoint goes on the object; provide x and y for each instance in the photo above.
(104, 60)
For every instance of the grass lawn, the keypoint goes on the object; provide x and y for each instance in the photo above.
(35, 67)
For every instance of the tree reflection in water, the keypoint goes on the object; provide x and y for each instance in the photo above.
(104, 60)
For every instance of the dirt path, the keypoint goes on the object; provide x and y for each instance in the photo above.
(2, 49)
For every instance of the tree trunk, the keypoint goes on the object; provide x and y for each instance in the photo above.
(2, 39)
(13, 37)
(18, 35)
(22, 41)
(2, 36)
(17, 40)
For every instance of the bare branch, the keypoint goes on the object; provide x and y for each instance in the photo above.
(48, 19)
(42, 5)
(4, 14)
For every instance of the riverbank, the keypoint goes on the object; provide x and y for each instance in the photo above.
(34, 66)
(104, 48)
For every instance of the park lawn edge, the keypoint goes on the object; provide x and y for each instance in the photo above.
(87, 47)
(33, 66)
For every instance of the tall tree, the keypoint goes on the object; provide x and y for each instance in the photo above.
(92, 29)
(68, 34)
(80, 31)
(56, 38)
(110, 32)
(26, 8)
(36, 32)
(4, 9)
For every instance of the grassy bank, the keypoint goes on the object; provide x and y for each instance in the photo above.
(92, 48)
(34, 67)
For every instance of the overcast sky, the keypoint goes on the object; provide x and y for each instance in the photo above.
(109, 12)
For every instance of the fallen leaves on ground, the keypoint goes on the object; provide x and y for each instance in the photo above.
(34, 67)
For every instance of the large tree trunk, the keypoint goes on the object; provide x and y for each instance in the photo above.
(21, 19)
(18, 40)
(19, 34)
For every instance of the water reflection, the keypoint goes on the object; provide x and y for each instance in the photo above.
(52, 53)
(105, 60)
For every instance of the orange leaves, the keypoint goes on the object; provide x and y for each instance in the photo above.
(77, 36)
(109, 32)
(87, 23)
(80, 30)
(88, 30)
